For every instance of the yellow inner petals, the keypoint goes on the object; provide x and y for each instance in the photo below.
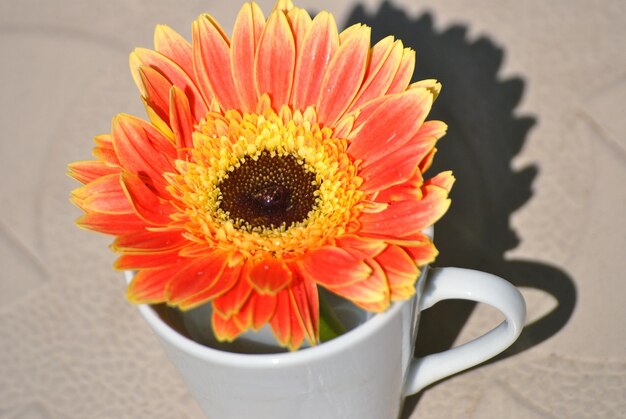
(223, 142)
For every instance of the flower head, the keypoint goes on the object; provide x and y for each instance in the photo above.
(285, 158)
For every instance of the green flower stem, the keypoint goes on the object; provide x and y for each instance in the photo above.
(330, 325)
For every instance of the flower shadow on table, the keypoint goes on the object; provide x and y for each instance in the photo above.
(483, 137)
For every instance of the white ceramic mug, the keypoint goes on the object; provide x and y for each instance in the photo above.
(365, 373)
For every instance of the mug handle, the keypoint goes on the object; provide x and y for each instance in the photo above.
(467, 284)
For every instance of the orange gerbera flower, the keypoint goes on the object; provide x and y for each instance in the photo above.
(283, 159)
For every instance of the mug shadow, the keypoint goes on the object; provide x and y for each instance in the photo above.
(484, 135)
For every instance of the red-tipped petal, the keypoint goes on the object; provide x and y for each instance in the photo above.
(173, 73)
(114, 224)
(422, 253)
(103, 195)
(344, 76)
(286, 323)
(427, 161)
(269, 275)
(171, 44)
(284, 5)
(157, 91)
(401, 271)
(281, 322)
(385, 60)
(394, 169)
(300, 22)
(275, 60)
(372, 291)
(233, 300)
(246, 35)
(409, 190)
(90, 170)
(391, 125)
(104, 149)
(225, 328)
(201, 280)
(406, 217)
(147, 260)
(149, 241)
(305, 299)
(257, 312)
(148, 286)
(143, 151)
(444, 180)
(332, 266)
(211, 60)
(404, 73)
(319, 46)
(181, 121)
(227, 280)
(144, 201)
(370, 247)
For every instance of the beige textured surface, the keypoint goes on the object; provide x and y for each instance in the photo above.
(534, 93)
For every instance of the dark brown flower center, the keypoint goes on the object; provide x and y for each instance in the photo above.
(269, 192)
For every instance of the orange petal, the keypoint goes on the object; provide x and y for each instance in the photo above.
(422, 253)
(269, 275)
(391, 125)
(103, 195)
(281, 322)
(171, 44)
(396, 168)
(409, 190)
(148, 286)
(157, 91)
(211, 50)
(104, 149)
(143, 151)
(257, 311)
(444, 180)
(181, 121)
(227, 280)
(426, 137)
(225, 328)
(173, 73)
(147, 260)
(114, 224)
(366, 245)
(404, 73)
(343, 77)
(332, 266)
(305, 300)
(286, 323)
(430, 84)
(385, 60)
(201, 280)
(427, 161)
(401, 271)
(300, 22)
(145, 202)
(246, 35)
(403, 218)
(319, 46)
(371, 293)
(90, 170)
(233, 300)
(149, 241)
(275, 60)
(284, 5)
(158, 122)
